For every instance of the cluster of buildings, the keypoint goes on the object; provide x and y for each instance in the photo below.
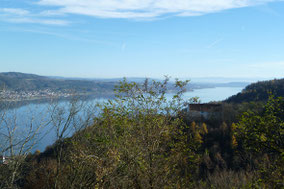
(27, 95)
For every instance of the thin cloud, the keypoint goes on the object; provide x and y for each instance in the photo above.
(37, 21)
(19, 12)
(25, 16)
(214, 43)
(66, 36)
(125, 9)
(138, 9)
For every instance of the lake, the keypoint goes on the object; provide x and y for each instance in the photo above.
(38, 113)
(213, 94)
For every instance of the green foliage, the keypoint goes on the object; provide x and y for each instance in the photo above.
(261, 135)
(264, 132)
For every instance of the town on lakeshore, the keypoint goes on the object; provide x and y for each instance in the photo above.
(11, 95)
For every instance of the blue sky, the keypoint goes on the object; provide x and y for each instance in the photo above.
(143, 38)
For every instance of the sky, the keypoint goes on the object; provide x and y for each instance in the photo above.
(143, 38)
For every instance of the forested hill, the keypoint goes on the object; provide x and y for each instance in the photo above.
(30, 82)
(259, 91)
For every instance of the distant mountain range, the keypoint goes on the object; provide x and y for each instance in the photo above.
(16, 81)
(228, 79)
(195, 83)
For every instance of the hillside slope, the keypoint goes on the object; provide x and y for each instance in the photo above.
(259, 91)
(29, 82)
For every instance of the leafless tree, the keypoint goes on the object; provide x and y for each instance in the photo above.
(66, 118)
(19, 132)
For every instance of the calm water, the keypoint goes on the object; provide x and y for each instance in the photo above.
(39, 113)
(213, 94)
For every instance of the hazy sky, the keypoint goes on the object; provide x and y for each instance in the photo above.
(152, 38)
